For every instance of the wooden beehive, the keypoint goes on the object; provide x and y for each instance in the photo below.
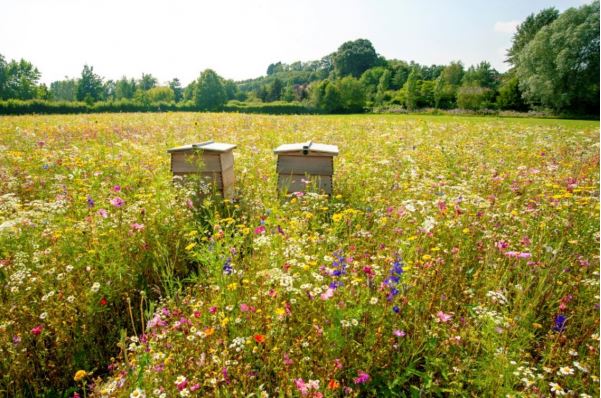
(302, 166)
(214, 162)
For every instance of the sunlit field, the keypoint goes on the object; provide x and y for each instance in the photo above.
(456, 256)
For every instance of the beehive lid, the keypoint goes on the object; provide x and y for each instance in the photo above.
(309, 146)
(207, 146)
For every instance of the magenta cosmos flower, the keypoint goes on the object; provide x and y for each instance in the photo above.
(117, 202)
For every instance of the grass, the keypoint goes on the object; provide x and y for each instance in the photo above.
(457, 256)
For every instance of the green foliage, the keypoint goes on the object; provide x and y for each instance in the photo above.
(89, 86)
(161, 94)
(209, 93)
(559, 67)
(178, 91)
(274, 108)
(147, 82)
(483, 75)
(18, 79)
(125, 89)
(475, 98)
(528, 29)
(355, 57)
(63, 90)
(510, 95)
(411, 89)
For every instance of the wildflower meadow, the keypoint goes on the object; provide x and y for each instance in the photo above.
(457, 256)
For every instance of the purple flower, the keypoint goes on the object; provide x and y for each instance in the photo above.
(117, 188)
(399, 333)
(90, 201)
(227, 267)
(396, 309)
(117, 202)
(361, 378)
(560, 323)
(103, 213)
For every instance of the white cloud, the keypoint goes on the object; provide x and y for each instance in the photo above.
(506, 26)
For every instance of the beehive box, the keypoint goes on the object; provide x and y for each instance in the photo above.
(305, 165)
(214, 162)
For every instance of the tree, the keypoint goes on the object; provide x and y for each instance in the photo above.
(63, 90)
(559, 67)
(209, 94)
(160, 94)
(412, 90)
(510, 95)
(274, 68)
(178, 91)
(231, 89)
(147, 82)
(275, 90)
(3, 77)
(125, 88)
(452, 73)
(528, 29)
(383, 86)
(355, 57)
(352, 95)
(20, 80)
(475, 97)
(483, 75)
(426, 93)
(89, 87)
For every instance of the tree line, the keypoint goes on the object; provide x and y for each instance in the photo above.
(553, 58)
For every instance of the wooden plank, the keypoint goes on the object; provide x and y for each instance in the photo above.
(294, 183)
(315, 165)
(228, 177)
(208, 177)
(227, 160)
(311, 153)
(182, 162)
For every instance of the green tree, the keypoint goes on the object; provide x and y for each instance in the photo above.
(3, 77)
(160, 94)
(209, 94)
(352, 95)
(452, 73)
(178, 91)
(147, 82)
(475, 97)
(275, 90)
(231, 89)
(510, 95)
(383, 86)
(355, 57)
(412, 90)
(20, 80)
(89, 87)
(426, 94)
(63, 90)
(559, 68)
(528, 29)
(483, 75)
(125, 88)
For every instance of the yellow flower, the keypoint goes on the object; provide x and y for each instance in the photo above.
(80, 374)
(337, 217)
(190, 246)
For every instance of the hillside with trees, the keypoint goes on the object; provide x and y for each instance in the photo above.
(554, 68)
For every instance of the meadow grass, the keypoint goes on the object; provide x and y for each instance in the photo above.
(457, 256)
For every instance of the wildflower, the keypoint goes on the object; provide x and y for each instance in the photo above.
(333, 384)
(181, 382)
(361, 378)
(259, 338)
(137, 393)
(117, 202)
(580, 367)
(79, 375)
(301, 386)
(102, 213)
(327, 294)
(227, 266)
(103, 301)
(137, 227)
(260, 230)
(95, 287)
(565, 371)
(559, 323)
(90, 201)
(16, 340)
(399, 333)
(556, 388)
(36, 331)
(117, 188)
(442, 317)
(373, 300)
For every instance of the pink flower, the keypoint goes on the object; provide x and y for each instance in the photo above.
(137, 227)
(244, 307)
(327, 294)
(102, 213)
(444, 318)
(287, 360)
(260, 230)
(36, 331)
(361, 378)
(399, 333)
(502, 245)
(301, 386)
(195, 387)
(117, 202)
(117, 188)
(213, 310)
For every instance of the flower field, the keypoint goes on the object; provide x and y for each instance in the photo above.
(456, 256)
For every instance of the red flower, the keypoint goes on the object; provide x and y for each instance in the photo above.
(103, 301)
(36, 331)
(259, 338)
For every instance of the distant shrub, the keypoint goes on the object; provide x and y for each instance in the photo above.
(276, 108)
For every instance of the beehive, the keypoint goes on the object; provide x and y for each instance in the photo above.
(214, 162)
(302, 166)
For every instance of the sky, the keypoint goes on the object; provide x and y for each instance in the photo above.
(240, 38)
